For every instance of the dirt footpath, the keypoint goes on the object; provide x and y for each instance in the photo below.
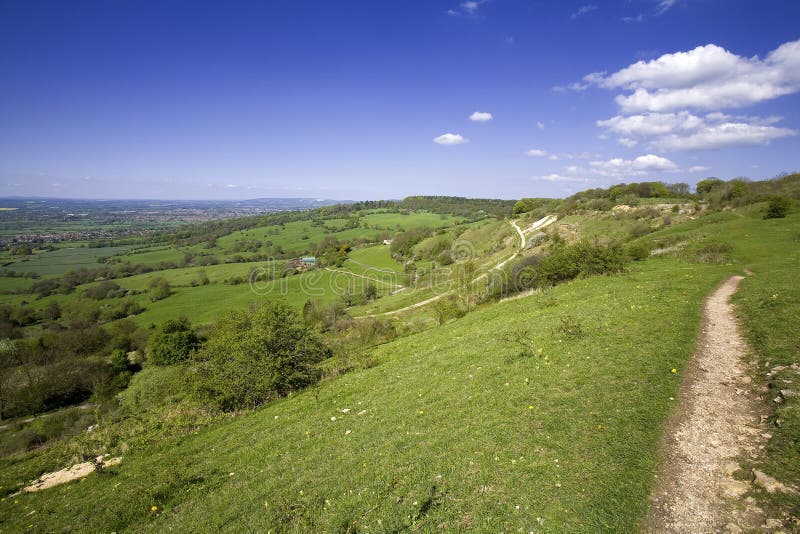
(715, 423)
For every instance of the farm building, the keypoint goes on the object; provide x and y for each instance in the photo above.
(302, 264)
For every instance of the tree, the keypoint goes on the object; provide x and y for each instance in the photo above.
(738, 188)
(51, 312)
(678, 190)
(255, 356)
(159, 289)
(706, 185)
(777, 208)
(172, 342)
(370, 291)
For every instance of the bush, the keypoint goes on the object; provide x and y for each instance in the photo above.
(716, 253)
(581, 259)
(524, 344)
(172, 343)
(104, 290)
(447, 308)
(153, 388)
(159, 289)
(777, 208)
(255, 356)
(638, 251)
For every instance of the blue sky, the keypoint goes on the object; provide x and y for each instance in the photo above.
(374, 98)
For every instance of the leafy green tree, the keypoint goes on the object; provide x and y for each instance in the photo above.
(172, 342)
(255, 356)
(738, 188)
(705, 186)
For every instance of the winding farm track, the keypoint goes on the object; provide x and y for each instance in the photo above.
(541, 223)
(715, 423)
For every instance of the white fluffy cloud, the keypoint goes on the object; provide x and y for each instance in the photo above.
(651, 124)
(723, 135)
(707, 77)
(536, 152)
(633, 167)
(686, 131)
(450, 139)
(480, 116)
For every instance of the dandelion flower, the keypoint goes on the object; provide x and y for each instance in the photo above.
(154, 508)
(674, 371)
(530, 407)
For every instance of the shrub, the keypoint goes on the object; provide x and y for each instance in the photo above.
(255, 356)
(172, 343)
(153, 388)
(713, 253)
(447, 308)
(638, 251)
(640, 229)
(159, 289)
(777, 208)
(522, 341)
(104, 290)
(581, 259)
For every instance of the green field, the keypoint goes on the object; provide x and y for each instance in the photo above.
(63, 260)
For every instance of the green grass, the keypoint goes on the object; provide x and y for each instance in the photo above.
(451, 402)
(8, 284)
(151, 255)
(63, 260)
(204, 304)
(394, 221)
(451, 430)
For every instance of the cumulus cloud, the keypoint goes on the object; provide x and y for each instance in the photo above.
(536, 152)
(583, 10)
(686, 131)
(651, 124)
(707, 77)
(628, 142)
(480, 116)
(450, 139)
(723, 135)
(640, 166)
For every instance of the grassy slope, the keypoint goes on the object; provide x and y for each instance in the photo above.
(438, 405)
(575, 445)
